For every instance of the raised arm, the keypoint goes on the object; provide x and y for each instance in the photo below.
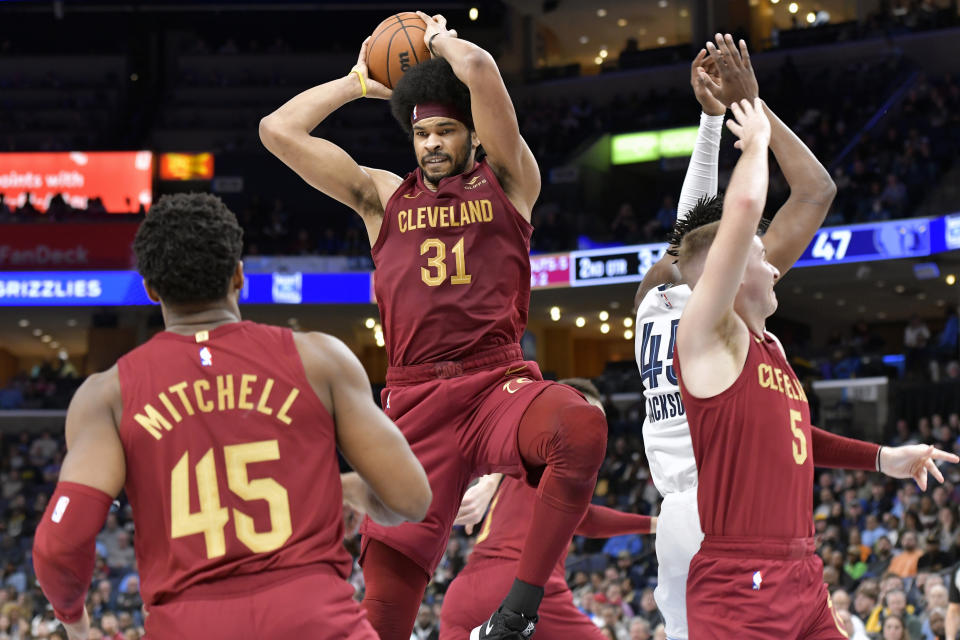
(286, 133)
(494, 117)
(92, 475)
(710, 308)
(394, 485)
(811, 187)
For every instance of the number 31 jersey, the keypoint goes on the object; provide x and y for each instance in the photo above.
(666, 436)
(452, 268)
(231, 461)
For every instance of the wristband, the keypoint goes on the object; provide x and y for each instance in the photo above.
(363, 83)
(430, 46)
(878, 458)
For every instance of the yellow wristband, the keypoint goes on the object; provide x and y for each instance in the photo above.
(363, 83)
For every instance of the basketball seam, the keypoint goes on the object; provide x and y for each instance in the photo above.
(413, 49)
(390, 44)
(370, 48)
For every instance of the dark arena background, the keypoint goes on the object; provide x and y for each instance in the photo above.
(105, 106)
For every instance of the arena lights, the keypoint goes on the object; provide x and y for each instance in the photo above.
(899, 288)
(628, 322)
(369, 323)
(793, 7)
(584, 39)
(473, 14)
(628, 334)
(604, 328)
(601, 13)
(774, 1)
(46, 338)
(604, 316)
(37, 332)
(604, 53)
(24, 323)
(555, 313)
(951, 279)
(72, 322)
(684, 13)
(622, 22)
(598, 60)
(811, 17)
(661, 40)
(63, 355)
(580, 321)
(54, 345)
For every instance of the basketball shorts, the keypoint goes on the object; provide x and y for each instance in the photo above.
(460, 418)
(479, 589)
(759, 588)
(315, 604)
(678, 540)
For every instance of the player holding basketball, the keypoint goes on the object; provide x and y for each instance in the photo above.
(756, 574)
(493, 561)
(451, 247)
(721, 74)
(224, 435)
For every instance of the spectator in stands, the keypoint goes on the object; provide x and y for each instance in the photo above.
(426, 627)
(640, 629)
(904, 564)
(894, 628)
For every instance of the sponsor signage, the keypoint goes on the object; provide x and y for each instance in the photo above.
(67, 246)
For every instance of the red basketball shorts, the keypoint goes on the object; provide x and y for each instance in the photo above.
(461, 421)
(312, 605)
(479, 589)
(759, 588)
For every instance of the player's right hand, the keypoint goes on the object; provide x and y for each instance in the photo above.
(374, 88)
(475, 502)
(750, 125)
(737, 78)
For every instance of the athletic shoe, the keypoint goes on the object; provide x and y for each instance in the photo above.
(505, 624)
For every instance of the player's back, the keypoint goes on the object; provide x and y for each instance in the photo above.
(452, 268)
(231, 462)
(666, 435)
(752, 446)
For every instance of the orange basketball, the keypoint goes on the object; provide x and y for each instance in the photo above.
(396, 46)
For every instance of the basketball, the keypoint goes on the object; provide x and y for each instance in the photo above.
(397, 45)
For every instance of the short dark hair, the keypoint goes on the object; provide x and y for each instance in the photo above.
(187, 248)
(708, 209)
(584, 386)
(430, 81)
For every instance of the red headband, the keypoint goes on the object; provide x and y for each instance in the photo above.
(437, 110)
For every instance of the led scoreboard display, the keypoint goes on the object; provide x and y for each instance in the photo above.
(614, 265)
(909, 238)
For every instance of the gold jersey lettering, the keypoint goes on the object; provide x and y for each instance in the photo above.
(444, 219)
(199, 386)
(169, 405)
(264, 396)
(153, 421)
(421, 212)
(476, 214)
(487, 209)
(179, 390)
(246, 388)
(402, 221)
(432, 214)
(225, 392)
(282, 414)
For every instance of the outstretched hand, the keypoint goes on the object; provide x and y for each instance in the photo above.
(374, 88)
(737, 80)
(749, 124)
(701, 70)
(914, 461)
(475, 502)
(436, 26)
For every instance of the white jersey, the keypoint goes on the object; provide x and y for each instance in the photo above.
(666, 435)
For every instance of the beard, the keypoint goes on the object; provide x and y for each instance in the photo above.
(458, 164)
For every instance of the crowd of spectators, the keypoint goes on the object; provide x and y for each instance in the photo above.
(889, 550)
(49, 385)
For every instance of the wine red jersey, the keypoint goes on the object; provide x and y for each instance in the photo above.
(452, 268)
(505, 528)
(753, 449)
(231, 460)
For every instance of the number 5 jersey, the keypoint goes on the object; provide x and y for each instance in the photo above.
(452, 268)
(231, 461)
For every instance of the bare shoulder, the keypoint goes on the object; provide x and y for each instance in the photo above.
(100, 389)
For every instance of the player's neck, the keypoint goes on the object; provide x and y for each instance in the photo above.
(187, 320)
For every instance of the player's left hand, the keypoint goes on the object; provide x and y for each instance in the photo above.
(79, 630)
(475, 501)
(701, 70)
(351, 521)
(914, 461)
(436, 26)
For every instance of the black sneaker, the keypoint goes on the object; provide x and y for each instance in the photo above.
(505, 624)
